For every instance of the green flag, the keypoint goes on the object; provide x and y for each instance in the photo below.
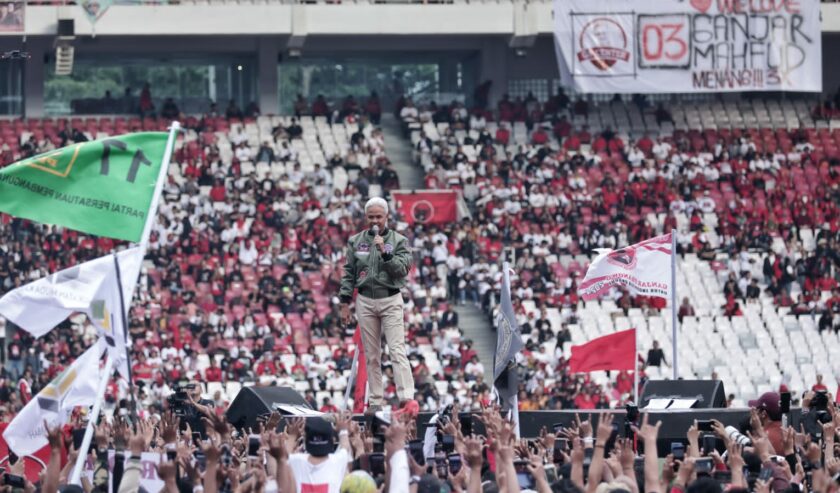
(103, 187)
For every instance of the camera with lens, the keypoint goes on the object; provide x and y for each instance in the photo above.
(182, 406)
(180, 403)
(738, 437)
(819, 405)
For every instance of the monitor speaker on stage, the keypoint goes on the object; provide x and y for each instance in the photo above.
(253, 402)
(707, 394)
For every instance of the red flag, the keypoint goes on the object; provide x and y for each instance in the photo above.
(427, 207)
(361, 374)
(32, 464)
(611, 352)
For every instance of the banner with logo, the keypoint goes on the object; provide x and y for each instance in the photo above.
(95, 8)
(90, 288)
(11, 16)
(427, 207)
(75, 386)
(643, 269)
(102, 187)
(678, 46)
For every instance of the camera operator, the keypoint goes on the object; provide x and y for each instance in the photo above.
(187, 404)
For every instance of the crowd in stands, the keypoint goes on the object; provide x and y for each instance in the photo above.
(390, 453)
(242, 270)
(540, 182)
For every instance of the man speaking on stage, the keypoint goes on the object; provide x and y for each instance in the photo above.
(378, 259)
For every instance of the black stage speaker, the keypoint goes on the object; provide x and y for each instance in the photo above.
(708, 393)
(252, 402)
(66, 28)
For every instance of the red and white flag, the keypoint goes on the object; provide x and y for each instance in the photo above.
(644, 269)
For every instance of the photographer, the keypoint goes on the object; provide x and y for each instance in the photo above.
(815, 413)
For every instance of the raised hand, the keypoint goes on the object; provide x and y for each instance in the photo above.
(829, 431)
(273, 421)
(521, 449)
(577, 450)
(473, 456)
(101, 435)
(166, 469)
(686, 469)
(647, 432)
(626, 454)
(789, 440)
(693, 433)
(394, 437)
(141, 438)
(762, 446)
(295, 428)
(547, 439)
(720, 431)
(54, 437)
(122, 432)
(604, 428)
(219, 425)
(755, 423)
(584, 427)
(169, 427)
(343, 420)
(832, 465)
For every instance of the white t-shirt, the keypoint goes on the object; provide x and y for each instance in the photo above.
(325, 477)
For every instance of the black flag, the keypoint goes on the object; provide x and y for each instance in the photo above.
(508, 343)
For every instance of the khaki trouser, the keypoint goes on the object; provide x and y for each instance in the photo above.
(375, 317)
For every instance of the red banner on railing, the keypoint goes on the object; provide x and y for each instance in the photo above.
(426, 207)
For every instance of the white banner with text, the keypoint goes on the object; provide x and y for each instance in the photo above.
(685, 46)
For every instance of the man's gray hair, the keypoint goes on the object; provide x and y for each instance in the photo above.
(377, 202)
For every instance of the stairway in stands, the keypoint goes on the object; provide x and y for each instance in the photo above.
(477, 327)
(398, 150)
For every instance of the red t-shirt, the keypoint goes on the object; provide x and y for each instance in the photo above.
(213, 374)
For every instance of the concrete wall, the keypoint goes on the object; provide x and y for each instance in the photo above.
(504, 17)
(483, 32)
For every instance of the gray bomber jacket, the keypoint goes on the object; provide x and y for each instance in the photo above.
(366, 267)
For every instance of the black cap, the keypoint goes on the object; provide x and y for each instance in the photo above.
(319, 437)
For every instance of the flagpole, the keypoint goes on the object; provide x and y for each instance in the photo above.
(144, 244)
(636, 366)
(92, 418)
(514, 411)
(674, 302)
(164, 168)
(124, 322)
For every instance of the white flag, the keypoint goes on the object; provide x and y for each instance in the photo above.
(89, 288)
(75, 386)
(644, 269)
